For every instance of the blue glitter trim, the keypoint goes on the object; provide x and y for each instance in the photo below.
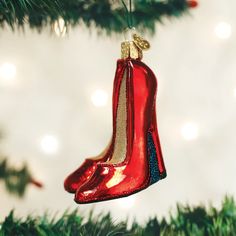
(153, 164)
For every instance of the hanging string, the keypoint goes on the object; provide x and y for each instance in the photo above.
(129, 17)
(130, 13)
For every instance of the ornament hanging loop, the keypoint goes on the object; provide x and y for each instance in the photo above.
(128, 33)
(129, 15)
(133, 45)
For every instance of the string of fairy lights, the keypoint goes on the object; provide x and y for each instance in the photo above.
(49, 144)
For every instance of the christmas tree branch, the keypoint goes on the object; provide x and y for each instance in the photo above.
(108, 15)
(198, 220)
(16, 180)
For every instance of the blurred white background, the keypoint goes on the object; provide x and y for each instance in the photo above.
(55, 109)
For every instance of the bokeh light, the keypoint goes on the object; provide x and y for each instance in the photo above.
(189, 131)
(7, 71)
(99, 98)
(49, 144)
(60, 28)
(223, 30)
(235, 92)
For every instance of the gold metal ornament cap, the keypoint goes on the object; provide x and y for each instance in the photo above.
(133, 48)
(130, 50)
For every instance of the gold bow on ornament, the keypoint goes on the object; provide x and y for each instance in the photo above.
(134, 48)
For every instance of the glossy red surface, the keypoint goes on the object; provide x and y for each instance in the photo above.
(111, 181)
(85, 171)
(80, 176)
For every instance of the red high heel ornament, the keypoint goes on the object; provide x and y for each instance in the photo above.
(135, 159)
(86, 170)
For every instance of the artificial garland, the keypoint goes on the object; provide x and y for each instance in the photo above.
(188, 220)
(108, 15)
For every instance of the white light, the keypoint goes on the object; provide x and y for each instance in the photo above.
(223, 30)
(99, 98)
(189, 131)
(235, 92)
(49, 144)
(7, 71)
(60, 27)
(127, 202)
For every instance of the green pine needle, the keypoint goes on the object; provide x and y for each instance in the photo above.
(188, 221)
(107, 15)
(16, 179)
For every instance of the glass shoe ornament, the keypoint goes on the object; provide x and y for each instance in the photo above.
(85, 171)
(134, 159)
